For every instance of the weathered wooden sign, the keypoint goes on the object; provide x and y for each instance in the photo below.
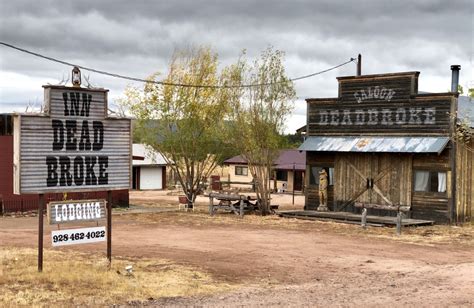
(386, 104)
(77, 236)
(76, 211)
(73, 146)
(386, 87)
(336, 116)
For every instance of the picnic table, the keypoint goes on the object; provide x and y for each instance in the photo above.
(238, 204)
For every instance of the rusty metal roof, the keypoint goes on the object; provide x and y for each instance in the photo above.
(375, 144)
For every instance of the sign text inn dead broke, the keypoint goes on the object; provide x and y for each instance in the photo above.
(73, 135)
(73, 146)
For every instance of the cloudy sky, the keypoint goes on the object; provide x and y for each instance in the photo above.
(137, 38)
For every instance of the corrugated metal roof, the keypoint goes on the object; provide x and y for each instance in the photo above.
(150, 157)
(375, 144)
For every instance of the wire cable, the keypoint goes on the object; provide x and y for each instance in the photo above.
(170, 83)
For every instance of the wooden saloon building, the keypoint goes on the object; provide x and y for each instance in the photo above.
(384, 143)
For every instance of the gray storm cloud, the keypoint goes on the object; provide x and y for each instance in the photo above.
(137, 38)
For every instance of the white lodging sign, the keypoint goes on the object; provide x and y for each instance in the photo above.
(76, 211)
(77, 236)
(73, 146)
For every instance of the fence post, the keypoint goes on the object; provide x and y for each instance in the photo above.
(211, 206)
(241, 207)
(399, 223)
(364, 218)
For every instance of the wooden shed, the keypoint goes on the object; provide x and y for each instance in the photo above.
(382, 142)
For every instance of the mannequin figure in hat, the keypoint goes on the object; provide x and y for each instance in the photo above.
(323, 191)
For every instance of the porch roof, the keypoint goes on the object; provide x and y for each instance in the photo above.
(375, 144)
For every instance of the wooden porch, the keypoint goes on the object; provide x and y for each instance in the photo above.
(346, 217)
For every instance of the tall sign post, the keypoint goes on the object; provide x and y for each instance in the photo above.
(109, 226)
(74, 146)
(40, 232)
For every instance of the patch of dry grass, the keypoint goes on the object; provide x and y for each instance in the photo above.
(200, 217)
(72, 278)
(438, 234)
(426, 235)
(420, 235)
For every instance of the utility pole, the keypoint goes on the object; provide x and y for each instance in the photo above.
(359, 65)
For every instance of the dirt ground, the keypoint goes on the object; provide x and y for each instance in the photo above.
(276, 261)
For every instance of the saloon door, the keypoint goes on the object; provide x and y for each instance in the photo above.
(372, 178)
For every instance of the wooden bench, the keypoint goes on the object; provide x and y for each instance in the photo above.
(400, 209)
(230, 202)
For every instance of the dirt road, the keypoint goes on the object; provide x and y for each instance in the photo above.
(289, 262)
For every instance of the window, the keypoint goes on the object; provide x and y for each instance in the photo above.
(6, 125)
(314, 175)
(241, 170)
(282, 175)
(429, 181)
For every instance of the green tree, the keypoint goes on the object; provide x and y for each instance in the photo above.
(293, 141)
(185, 124)
(470, 92)
(259, 116)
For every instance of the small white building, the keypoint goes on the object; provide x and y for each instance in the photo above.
(149, 168)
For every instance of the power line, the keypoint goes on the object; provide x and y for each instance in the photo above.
(169, 83)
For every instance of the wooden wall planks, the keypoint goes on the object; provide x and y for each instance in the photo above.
(465, 181)
(388, 87)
